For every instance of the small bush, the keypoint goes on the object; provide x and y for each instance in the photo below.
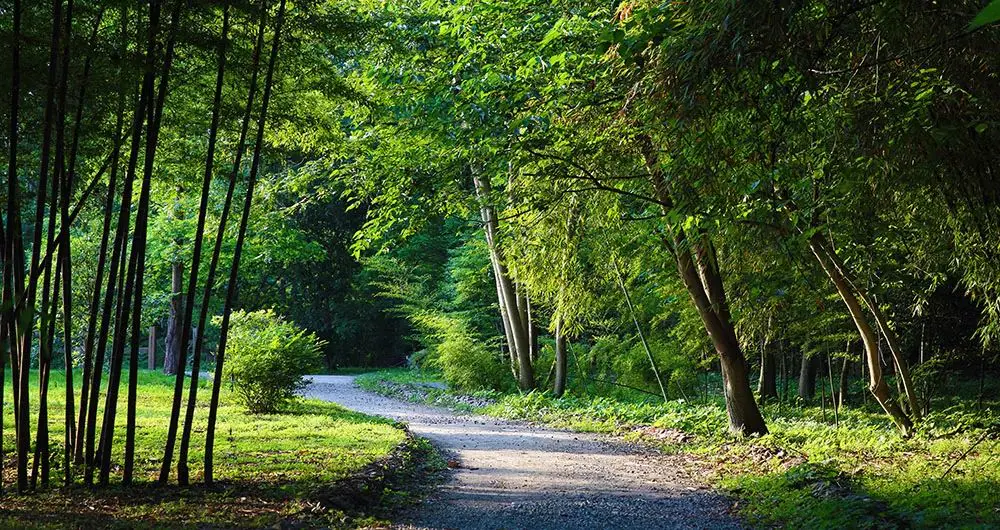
(267, 358)
(465, 359)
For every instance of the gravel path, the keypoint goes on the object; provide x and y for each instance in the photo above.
(513, 475)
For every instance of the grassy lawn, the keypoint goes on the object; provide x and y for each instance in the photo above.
(299, 466)
(808, 472)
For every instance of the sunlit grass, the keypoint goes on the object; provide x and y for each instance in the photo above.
(285, 457)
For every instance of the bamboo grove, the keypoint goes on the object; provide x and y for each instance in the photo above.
(88, 132)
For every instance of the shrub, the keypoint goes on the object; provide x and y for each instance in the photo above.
(466, 360)
(267, 358)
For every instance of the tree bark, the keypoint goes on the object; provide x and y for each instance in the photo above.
(902, 368)
(807, 377)
(10, 233)
(704, 284)
(767, 386)
(182, 464)
(231, 290)
(876, 384)
(638, 328)
(27, 314)
(842, 387)
(173, 337)
(559, 384)
(516, 313)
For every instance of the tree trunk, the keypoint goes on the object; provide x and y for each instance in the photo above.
(842, 392)
(638, 329)
(10, 233)
(173, 338)
(559, 386)
(516, 313)
(182, 464)
(807, 377)
(95, 301)
(902, 369)
(703, 281)
(877, 384)
(231, 290)
(505, 321)
(767, 386)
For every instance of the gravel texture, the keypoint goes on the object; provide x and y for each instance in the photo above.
(514, 475)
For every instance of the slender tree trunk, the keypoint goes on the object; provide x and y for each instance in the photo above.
(173, 338)
(532, 330)
(182, 458)
(877, 384)
(112, 298)
(767, 386)
(807, 377)
(902, 368)
(8, 333)
(219, 239)
(505, 321)
(27, 314)
(66, 180)
(842, 394)
(95, 301)
(559, 385)
(153, 120)
(638, 328)
(516, 316)
(46, 332)
(699, 271)
(231, 291)
(146, 113)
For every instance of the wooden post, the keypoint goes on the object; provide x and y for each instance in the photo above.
(151, 350)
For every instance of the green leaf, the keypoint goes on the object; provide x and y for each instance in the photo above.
(988, 15)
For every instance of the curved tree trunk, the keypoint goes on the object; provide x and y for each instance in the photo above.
(699, 270)
(876, 384)
(902, 368)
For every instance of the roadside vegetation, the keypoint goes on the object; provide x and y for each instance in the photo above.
(315, 464)
(812, 470)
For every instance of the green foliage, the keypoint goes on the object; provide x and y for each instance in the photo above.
(465, 360)
(267, 358)
(989, 15)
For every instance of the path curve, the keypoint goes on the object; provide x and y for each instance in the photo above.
(518, 476)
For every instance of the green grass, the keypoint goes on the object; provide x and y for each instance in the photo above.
(808, 472)
(270, 468)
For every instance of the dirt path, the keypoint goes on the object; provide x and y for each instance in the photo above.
(518, 476)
